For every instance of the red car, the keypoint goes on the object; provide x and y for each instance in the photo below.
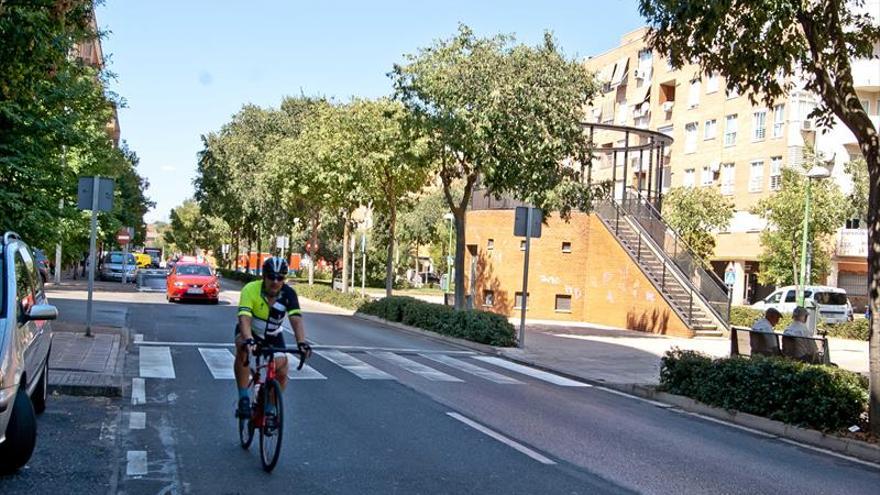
(193, 281)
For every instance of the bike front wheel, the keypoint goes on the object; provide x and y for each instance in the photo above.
(245, 432)
(273, 424)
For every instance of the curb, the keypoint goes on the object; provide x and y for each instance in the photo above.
(776, 429)
(86, 384)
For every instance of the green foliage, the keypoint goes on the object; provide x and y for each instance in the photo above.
(858, 198)
(53, 128)
(821, 397)
(782, 239)
(477, 326)
(856, 330)
(236, 275)
(694, 213)
(191, 230)
(505, 113)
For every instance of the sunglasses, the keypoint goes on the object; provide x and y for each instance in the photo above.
(276, 278)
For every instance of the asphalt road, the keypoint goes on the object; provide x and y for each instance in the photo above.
(418, 416)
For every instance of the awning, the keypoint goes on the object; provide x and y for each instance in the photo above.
(605, 73)
(620, 69)
(608, 108)
(642, 94)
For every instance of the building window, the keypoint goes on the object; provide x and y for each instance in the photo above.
(756, 176)
(732, 92)
(488, 298)
(690, 179)
(517, 300)
(706, 178)
(877, 108)
(490, 244)
(566, 247)
(690, 137)
(760, 125)
(730, 130)
(710, 129)
(866, 105)
(776, 173)
(853, 223)
(727, 176)
(522, 245)
(778, 120)
(563, 303)
(694, 94)
(712, 83)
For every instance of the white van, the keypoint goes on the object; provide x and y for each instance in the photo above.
(831, 301)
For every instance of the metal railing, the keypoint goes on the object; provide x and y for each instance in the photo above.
(691, 274)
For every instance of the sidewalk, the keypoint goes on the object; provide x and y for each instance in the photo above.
(80, 365)
(617, 356)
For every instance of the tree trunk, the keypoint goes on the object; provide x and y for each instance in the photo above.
(313, 249)
(259, 266)
(871, 151)
(459, 257)
(345, 255)
(389, 260)
(250, 244)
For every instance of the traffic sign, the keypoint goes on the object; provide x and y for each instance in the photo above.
(730, 276)
(123, 236)
(521, 218)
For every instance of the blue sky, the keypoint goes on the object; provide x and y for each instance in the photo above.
(185, 67)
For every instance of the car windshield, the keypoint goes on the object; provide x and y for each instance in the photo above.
(117, 258)
(834, 298)
(193, 270)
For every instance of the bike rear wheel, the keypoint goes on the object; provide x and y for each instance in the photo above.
(273, 424)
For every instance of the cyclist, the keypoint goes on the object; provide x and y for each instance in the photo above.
(262, 308)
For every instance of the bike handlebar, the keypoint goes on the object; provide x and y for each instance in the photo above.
(269, 351)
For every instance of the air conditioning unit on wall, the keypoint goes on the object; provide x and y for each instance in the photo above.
(638, 74)
(667, 106)
(808, 125)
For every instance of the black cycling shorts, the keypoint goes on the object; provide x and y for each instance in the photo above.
(276, 340)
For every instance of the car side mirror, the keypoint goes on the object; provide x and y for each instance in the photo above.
(42, 312)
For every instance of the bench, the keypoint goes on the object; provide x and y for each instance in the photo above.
(812, 350)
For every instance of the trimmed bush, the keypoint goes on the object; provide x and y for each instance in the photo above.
(821, 397)
(234, 275)
(856, 330)
(325, 294)
(476, 326)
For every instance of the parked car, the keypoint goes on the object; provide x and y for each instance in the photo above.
(196, 281)
(42, 264)
(111, 267)
(25, 341)
(429, 278)
(143, 260)
(830, 301)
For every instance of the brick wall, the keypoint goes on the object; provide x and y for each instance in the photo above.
(603, 283)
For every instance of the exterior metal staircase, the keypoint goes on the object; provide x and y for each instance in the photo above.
(687, 283)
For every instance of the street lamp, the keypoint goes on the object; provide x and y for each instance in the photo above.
(449, 217)
(817, 172)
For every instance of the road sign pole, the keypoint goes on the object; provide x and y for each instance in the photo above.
(363, 264)
(92, 246)
(525, 290)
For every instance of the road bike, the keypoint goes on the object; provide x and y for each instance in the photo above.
(267, 414)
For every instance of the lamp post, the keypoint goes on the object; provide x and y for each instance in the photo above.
(449, 217)
(818, 173)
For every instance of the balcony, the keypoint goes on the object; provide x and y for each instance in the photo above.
(852, 243)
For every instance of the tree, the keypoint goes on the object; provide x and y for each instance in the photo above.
(763, 49)
(783, 238)
(395, 163)
(507, 115)
(695, 213)
(190, 230)
(858, 196)
(422, 223)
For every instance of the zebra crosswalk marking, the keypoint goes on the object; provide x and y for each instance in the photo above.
(532, 372)
(306, 373)
(219, 362)
(415, 367)
(355, 365)
(472, 369)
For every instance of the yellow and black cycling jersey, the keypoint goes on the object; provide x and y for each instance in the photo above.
(267, 320)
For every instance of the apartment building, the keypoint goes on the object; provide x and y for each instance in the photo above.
(722, 140)
(90, 53)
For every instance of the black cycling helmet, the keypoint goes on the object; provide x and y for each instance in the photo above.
(275, 267)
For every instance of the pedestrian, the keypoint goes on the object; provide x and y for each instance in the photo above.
(762, 339)
(800, 344)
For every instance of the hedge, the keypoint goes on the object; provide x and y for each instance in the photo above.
(325, 294)
(476, 326)
(745, 316)
(821, 397)
(234, 275)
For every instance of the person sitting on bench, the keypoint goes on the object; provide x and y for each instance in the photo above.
(762, 339)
